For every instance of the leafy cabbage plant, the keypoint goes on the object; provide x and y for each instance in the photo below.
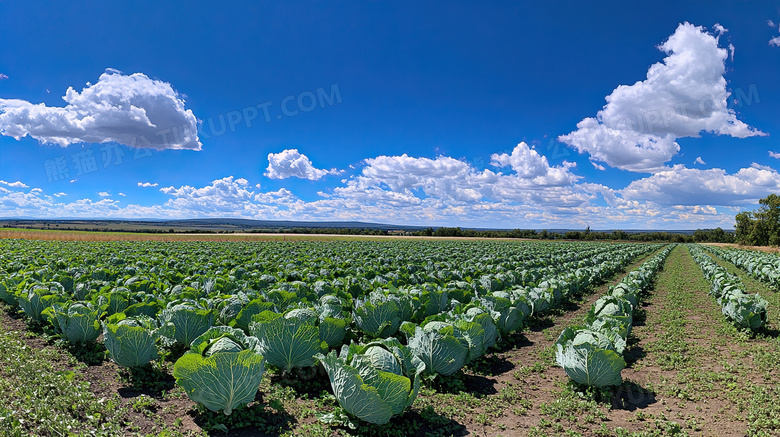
(78, 323)
(611, 312)
(375, 381)
(483, 318)
(223, 369)
(446, 342)
(7, 292)
(131, 342)
(746, 311)
(508, 310)
(378, 317)
(591, 357)
(251, 309)
(292, 339)
(439, 345)
(188, 321)
(38, 298)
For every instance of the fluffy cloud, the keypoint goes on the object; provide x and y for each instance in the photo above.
(638, 128)
(291, 163)
(529, 165)
(17, 184)
(104, 194)
(406, 180)
(699, 161)
(147, 184)
(686, 186)
(227, 196)
(3, 76)
(775, 155)
(132, 110)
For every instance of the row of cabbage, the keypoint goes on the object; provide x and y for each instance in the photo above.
(447, 340)
(761, 265)
(362, 375)
(231, 336)
(744, 310)
(592, 354)
(355, 266)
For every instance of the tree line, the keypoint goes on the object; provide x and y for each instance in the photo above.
(717, 235)
(762, 226)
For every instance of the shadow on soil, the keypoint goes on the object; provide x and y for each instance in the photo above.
(630, 396)
(492, 365)
(256, 419)
(639, 318)
(633, 354)
(145, 380)
(768, 332)
(461, 382)
(309, 381)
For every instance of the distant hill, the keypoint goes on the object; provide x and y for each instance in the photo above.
(195, 225)
(286, 224)
(247, 225)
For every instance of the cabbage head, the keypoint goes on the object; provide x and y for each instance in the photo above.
(747, 311)
(77, 323)
(591, 358)
(131, 342)
(288, 340)
(375, 381)
(223, 369)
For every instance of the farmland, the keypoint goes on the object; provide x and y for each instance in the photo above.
(386, 338)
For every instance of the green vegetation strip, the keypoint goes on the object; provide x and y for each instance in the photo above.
(722, 372)
(746, 311)
(38, 399)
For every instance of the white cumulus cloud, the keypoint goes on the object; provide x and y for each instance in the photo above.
(405, 180)
(17, 184)
(291, 163)
(699, 161)
(132, 110)
(680, 185)
(683, 96)
(147, 184)
(226, 197)
(775, 155)
(104, 194)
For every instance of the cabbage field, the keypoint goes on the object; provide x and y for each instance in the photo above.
(360, 337)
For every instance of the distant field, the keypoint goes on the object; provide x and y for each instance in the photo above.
(44, 234)
(767, 249)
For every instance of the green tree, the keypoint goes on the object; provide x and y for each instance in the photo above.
(744, 227)
(770, 218)
(761, 227)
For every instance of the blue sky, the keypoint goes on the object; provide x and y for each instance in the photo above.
(500, 115)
